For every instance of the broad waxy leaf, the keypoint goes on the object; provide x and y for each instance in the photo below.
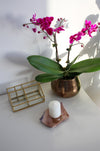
(70, 64)
(45, 64)
(88, 65)
(47, 77)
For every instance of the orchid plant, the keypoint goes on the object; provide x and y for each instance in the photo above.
(53, 69)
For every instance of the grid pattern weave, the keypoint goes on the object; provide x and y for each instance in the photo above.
(25, 95)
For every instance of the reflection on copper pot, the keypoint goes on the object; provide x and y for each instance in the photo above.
(66, 88)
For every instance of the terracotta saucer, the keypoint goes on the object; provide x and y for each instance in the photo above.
(50, 122)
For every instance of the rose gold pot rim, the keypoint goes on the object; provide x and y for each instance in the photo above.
(67, 79)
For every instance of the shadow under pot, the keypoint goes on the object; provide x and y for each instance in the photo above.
(66, 88)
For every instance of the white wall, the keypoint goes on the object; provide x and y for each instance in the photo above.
(16, 43)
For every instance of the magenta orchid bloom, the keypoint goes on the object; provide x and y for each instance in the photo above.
(58, 29)
(45, 27)
(50, 32)
(88, 29)
(53, 70)
(45, 23)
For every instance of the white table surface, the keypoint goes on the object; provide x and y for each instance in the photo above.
(23, 131)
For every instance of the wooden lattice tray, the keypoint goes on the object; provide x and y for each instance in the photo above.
(25, 95)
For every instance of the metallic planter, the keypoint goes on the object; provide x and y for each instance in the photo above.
(66, 88)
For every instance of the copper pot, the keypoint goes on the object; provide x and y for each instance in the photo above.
(66, 88)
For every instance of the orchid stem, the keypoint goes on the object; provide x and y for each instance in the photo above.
(48, 36)
(55, 45)
(68, 57)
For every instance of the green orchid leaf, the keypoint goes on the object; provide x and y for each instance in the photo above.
(88, 65)
(47, 77)
(45, 64)
(70, 64)
(74, 60)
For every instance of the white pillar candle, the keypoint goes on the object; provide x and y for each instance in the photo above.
(54, 109)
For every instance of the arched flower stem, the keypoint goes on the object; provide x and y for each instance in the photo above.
(55, 45)
(69, 49)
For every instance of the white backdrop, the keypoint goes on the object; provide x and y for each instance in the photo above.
(16, 42)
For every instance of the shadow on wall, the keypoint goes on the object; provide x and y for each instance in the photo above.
(91, 50)
(32, 44)
(20, 59)
(28, 43)
(17, 43)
